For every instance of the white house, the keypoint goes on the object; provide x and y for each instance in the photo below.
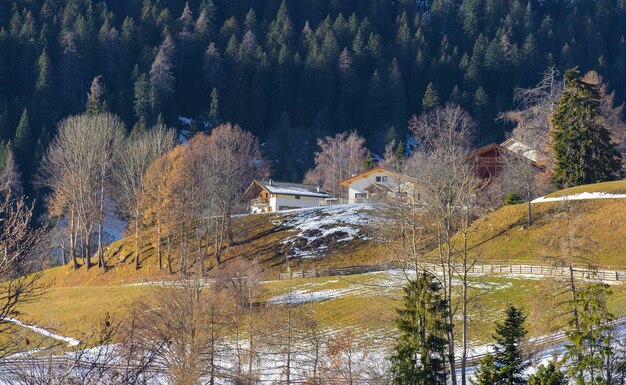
(267, 196)
(379, 183)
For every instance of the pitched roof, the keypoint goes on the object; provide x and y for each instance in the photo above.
(483, 150)
(285, 188)
(521, 148)
(346, 182)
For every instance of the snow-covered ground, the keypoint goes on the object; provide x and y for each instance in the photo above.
(44, 332)
(319, 226)
(373, 284)
(580, 197)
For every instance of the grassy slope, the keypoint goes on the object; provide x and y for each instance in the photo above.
(256, 237)
(597, 227)
(616, 187)
(365, 302)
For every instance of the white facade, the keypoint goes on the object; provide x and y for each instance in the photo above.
(360, 188)
(280, 202)
(277, 196)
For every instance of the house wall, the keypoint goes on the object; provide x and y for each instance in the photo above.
(394, 183)
(278, 201)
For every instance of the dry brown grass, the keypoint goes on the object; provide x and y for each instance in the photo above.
(597, 229)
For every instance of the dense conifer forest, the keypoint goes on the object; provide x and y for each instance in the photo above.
(289, 71)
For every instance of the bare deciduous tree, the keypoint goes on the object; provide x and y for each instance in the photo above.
(340, 157)
(20, 239)
(77, 168)
(133, 158)
(449, 184)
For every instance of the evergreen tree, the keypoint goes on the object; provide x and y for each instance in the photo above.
(162, 76)
(24, 137)
(430, 99)
(486, 372)
(375, 108)
(143, 99)
(10, 177)
(589, 349)
(420, 354)
(95, 102)
(5, 150)
(548, 375)
(508, 351)
(369, 161)
(582, 146)
(214, 109)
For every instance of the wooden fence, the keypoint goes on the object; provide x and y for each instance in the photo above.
(490, 269)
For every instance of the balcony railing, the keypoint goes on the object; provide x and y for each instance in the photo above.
(260, 201)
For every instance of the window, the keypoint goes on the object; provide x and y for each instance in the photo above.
(383, 178)
(297, 197)
(358, 195)
(377, 179)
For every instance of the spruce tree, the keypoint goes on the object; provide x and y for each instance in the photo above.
(582, 147)
(420, 355)
(590, 344)
(95, 102)
(486, 372)
(548, 375)
(508, 351)
(23, 138)
(430, 99)
(214, 108)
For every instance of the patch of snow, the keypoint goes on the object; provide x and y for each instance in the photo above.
(581, 196)
(70, 341)
(305, 296)
(185, 121)
(317, 223)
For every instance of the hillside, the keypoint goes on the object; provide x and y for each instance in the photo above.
(596, 226)
(341, 236)
(335, 236)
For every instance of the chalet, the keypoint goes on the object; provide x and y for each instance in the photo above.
(522, 149)
(267, 196)
(378, 183)
(489, 160)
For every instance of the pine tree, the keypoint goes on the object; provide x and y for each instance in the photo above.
(508, 352)
(420, 354)
(582, 148)
(10, 177)
(369, 161)
(5, 150)
(280, 32)
(486, 372)
(548, 375)
(95, 102)
(590, 345)
(143, 99)
(23, 137)
(214, 109)
(430, 99)
(375, 108)
(162, 71)
(480, 101)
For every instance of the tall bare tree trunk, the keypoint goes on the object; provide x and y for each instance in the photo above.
(137, 236)
(169, 253)
(87, 247)
(158, 244)
(73, 227)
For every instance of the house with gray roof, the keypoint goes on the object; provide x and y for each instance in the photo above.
(268, 196)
